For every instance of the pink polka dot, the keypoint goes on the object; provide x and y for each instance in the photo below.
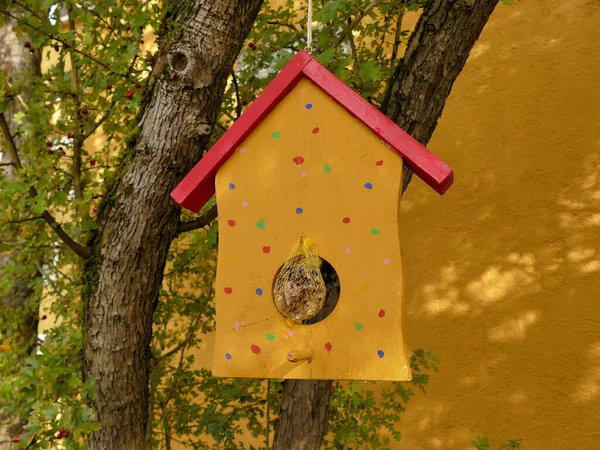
(302, 174)
(244, 204)
(290, 333)
(386, 261)
(348, 251)
(243, 150)
(236, 324)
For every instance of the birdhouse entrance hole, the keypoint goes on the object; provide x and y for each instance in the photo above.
(332, 291)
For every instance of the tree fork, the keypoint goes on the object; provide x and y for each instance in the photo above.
(137, 221)
(436, 54)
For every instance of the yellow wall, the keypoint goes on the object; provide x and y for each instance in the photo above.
(503, 273)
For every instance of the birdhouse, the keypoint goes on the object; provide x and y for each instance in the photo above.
(310, 177)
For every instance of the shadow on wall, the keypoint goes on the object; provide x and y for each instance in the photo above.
(503, 273)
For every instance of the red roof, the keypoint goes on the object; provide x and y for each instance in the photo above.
(199, 185)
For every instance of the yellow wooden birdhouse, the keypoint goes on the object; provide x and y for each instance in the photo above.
(310, 172)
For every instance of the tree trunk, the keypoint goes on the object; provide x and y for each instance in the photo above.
(17, 62)
(436, 54)
(138, 220)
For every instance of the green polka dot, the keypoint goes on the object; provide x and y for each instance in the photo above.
(358, 326)
(374, 231)
(276, 135)
(261, 224)
(270, 336)
(326, 168)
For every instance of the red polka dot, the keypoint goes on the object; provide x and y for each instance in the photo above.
(231, 223)
(346, 220)
(255, 349)
(228, 290)
(298, 160)
(266, 249)
(315, 130)
(381, 312)
(328, 347)
(379, 163)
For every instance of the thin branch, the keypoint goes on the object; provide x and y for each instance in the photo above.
(282, 24)
(70, 45)
(78, 143)
(2, 164)
(27, 219)
(202, 221)
(353, 49)
(337, 41)
(95, 14)
(238, 105)
(188, 336)
(82, 251)
(398, 35)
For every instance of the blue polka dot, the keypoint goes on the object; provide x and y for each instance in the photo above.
(309, 106)
(231, 186)
(369, 186)
(299, 210)
(228, 356)
(259, 291)
(380, 353)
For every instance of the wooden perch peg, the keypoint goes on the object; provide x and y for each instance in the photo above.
(300, 355)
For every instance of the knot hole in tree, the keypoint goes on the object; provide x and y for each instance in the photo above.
(179, 61)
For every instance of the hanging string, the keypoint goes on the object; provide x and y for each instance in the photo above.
(309, 47)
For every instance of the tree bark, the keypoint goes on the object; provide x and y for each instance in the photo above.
(138, 220)
(436, 54)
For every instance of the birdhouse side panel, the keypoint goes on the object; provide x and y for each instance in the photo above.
(310, 168)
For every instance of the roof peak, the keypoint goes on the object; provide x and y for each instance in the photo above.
(199, 185)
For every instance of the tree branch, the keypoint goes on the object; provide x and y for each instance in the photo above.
(27, 219)
(282, 24)
(338, 40)
(398, 34)
(238, 105)
(82, 251)
(202, 221)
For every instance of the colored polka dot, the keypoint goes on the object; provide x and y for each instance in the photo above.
(348, 251)
(380, 353)
(326, 168)
(290, 333)
(315, 130)
(228, 356)
(255, 349)
(381, 313)
(358, 326)
(233, 259)
(328, 347)
(309, 106)
(228, 290)
(379, 163)
(386, 261)
(231, 186)
(236, 324)
(244, 204)
(364, 287)
(298, 160)
(374, 231)
(261, 224)
(243, 150)
(299, 210)
(259, 291)
(231, 223)
(346, 220)
(369, 186)
(302, 174)
(276, 135)
(266, 249)
(270, 336)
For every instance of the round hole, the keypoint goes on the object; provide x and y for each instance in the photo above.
(179, 61)
(332, 291)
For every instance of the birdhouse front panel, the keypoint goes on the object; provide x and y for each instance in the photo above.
(311, 169)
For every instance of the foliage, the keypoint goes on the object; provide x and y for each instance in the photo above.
(482, 443)
(71, 123)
